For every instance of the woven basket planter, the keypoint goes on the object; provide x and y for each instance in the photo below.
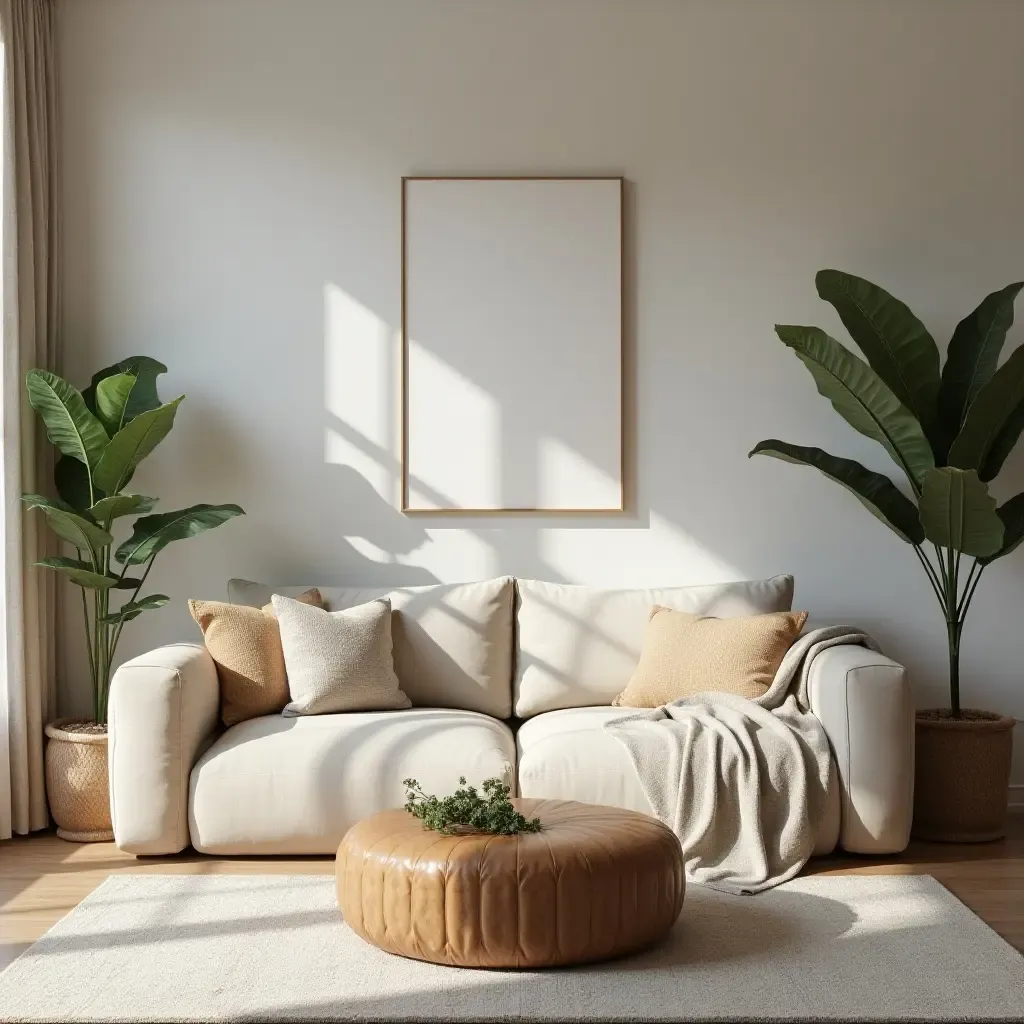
(962, 775)
(77, 783)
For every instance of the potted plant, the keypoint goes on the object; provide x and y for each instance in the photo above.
(102, 435)
(949, 433)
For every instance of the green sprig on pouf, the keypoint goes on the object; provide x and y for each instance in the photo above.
(467, 811)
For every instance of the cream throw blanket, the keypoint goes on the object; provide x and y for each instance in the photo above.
(742, 783)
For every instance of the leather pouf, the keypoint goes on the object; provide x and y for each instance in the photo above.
(595, 882)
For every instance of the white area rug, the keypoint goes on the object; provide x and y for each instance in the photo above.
(274, 947)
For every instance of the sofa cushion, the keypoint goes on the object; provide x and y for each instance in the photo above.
(567, 755)
(686, 654)
(245, 644)
(578, 646)
(338, 661)
(279, 785)
(452, 641)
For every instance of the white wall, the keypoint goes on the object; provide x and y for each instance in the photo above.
(231, 182)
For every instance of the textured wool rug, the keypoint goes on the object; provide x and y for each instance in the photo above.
(274, 947)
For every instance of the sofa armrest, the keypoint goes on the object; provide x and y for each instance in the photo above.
(864, 702)
(164, 709)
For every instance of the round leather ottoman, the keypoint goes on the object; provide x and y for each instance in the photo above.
(595, 882)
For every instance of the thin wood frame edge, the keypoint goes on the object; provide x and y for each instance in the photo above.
(404, 506)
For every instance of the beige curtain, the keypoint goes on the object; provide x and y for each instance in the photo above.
(29, 325)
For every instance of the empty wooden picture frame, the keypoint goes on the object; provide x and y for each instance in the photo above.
(512, 324)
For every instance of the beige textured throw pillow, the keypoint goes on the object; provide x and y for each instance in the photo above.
(338, 661)
(245, 644)
(685, 654)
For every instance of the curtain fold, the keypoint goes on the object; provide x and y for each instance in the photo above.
(30, 290)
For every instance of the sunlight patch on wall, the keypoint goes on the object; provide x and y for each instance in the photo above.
(457, 555)
(658, 555)
(359, 388)
(568, 480)
(448, 405)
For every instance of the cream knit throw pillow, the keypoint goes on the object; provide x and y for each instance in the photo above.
(685, 654)
(338, 661)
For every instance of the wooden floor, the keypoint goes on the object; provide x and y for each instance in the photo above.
(42, 877)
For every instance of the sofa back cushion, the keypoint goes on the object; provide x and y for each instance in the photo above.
(578, 646)
(452, 641)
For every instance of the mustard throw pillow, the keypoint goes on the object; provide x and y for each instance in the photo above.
(245, 644)
(685, 654)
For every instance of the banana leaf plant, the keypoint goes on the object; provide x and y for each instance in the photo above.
(949, 432)
(102, 434)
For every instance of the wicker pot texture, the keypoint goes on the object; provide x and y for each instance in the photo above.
(77, 783)
(962, 774)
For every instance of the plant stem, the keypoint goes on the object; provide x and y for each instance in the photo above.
(116, 630)
(88, 640)
(953, 630)
(969, 590)
(98, 645)
(933, 578)
(953, 633)
(104, 638)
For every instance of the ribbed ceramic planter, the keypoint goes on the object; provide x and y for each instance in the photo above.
(962, 775)
(77, 784)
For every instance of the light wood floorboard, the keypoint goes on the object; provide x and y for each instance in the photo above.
(42, 878)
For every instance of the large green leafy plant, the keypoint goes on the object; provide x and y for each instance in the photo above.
(103, 434)
(949, 432)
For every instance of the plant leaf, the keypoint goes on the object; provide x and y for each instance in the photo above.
(877, 493)
(67, 524)
(71, 478)
(155, 532)
(81, 573)
(862, 398)
(70, 426)
(132, 443)
(993, 422)
(112, 396)
(1006, 440)
(133, 609)
(958, 512)
(144, 395)
(119, 505)
(973, 356)
(896, 344)
(1012, 515)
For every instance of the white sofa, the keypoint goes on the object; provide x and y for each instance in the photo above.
(512, 678)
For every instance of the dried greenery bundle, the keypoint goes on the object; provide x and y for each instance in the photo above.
(466, 811)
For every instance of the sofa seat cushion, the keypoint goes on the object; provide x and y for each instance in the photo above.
(276, 785)
(567, 755)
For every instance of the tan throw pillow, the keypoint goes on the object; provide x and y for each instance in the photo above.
(685, 654)
(245, 644)
(338, 661)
